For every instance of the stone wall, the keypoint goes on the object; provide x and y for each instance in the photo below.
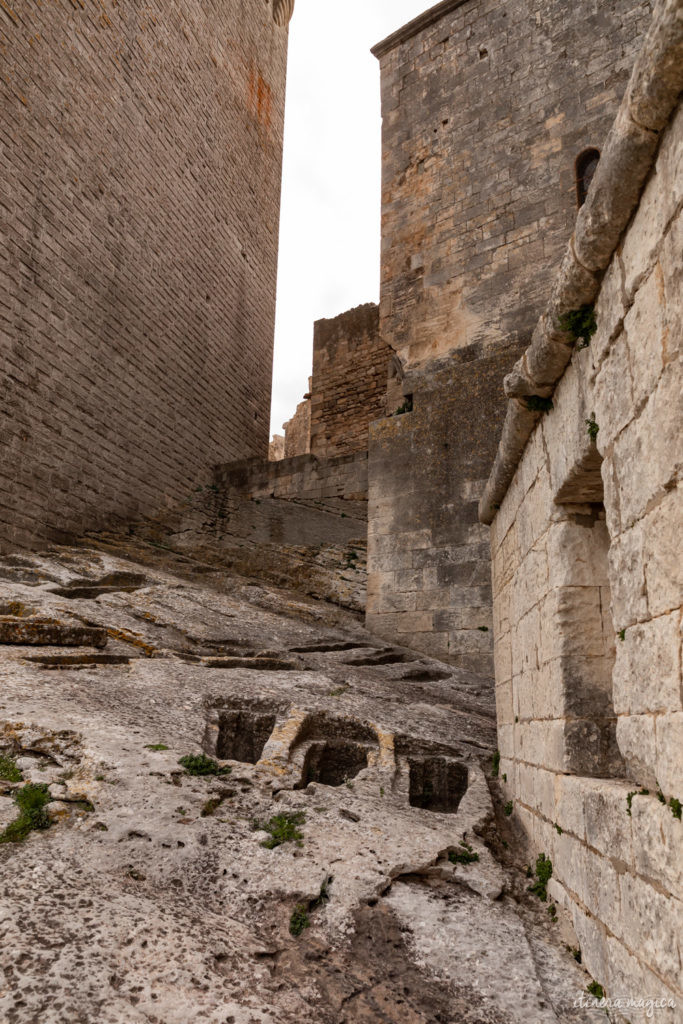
(298, 428)
(350, 365)
(486, 107)
(138, 214)
(429, 583)
(306, 477)
(587, 605)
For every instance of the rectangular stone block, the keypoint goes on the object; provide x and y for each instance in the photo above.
(47, 633)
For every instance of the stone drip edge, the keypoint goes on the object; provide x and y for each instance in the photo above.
(626, 161)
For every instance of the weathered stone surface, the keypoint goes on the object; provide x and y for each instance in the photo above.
(621, 172)
(655, 83)
(154, 883)
(348, 388)
(49, 633)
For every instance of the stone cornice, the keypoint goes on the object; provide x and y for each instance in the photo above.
(416, 25)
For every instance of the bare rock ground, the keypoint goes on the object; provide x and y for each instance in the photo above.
(159, 896)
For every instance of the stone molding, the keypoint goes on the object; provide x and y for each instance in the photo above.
(416, 25)
(651, 97)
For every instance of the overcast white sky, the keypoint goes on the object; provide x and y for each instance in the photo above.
(329, 229)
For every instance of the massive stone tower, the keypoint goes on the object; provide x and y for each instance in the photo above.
(139, 199)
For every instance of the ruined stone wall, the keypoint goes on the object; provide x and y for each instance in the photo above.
(350, 363)
(429, 583)
(587, 610)
(486, 106)
(305, 476)
(141, 151)
(298, 429)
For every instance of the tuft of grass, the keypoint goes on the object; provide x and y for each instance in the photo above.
(630, 796)
(544, 870)
(495, 764)
(535, 403)
(8, 770)
(676, 807)
(558, 829)
(338, 691)
(465, 855)
(575, 952)
(504, 776)
(200, 764)
(283, 828)
(595, 990)
(31, 800)
(508, 808)
(552, 912)
(299, 920)
(592, 428)
(580, 323)
(211, 806)
(483, 629)
(156, 746)
(622, 634)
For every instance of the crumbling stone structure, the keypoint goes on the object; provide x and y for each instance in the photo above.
(584, 501)
(141, 151)
(486, 108)
(350, 362)
(297, 440)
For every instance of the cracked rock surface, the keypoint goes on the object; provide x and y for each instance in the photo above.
(156, 895)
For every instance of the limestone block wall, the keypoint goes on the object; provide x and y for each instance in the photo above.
(587, 614)
(429, 582)
(486, 107)
(350, 365)
(139, 197)
(306, 477)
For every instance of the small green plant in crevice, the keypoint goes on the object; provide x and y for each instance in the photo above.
(283, 828)
(156, 746)
(552, 912)
(594, 989)
(351, 559)
(508, 808)
(529, 872)
(575, 952)
(505, 776)
(406, 407)
(580, 323)
(516, 719)
(592, 428)
(495, 764)
(338, 691)
(465, 855)
(200, 764)
(31, 800)
(211, 806)
(630, 796)
(299, 920)
(483, 629)
(558, 829)
(544, 871)
(676, 807)
(660, 796)
(535, 403)
(622, 634)
(8, 770)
